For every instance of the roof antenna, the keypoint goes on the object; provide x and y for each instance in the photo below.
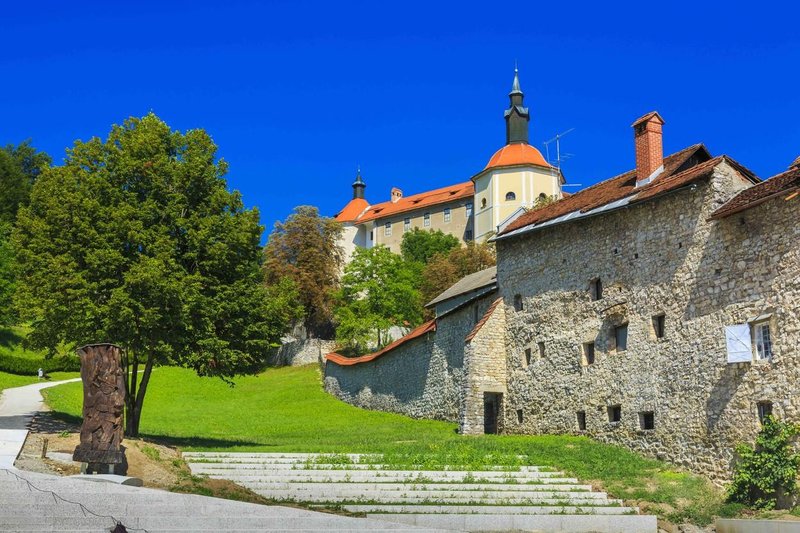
(560, 158)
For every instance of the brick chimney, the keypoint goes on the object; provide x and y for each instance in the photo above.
(649, 149)
(396, 194)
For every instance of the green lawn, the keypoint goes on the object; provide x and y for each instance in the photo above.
(12, 380)
(11, 338)
(287, 410)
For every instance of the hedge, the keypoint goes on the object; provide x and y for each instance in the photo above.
(30, 367)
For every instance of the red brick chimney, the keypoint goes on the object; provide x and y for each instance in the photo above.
(649, 150)
(396, 194)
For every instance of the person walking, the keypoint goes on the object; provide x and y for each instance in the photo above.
(41, 374)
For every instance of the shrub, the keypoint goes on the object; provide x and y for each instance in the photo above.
(30, 367)
(768, 471)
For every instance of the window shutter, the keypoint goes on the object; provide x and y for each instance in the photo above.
(740, 349)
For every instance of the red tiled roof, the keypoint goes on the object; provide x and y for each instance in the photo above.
(413, 334)
(350, 213)
(680, 169)
(775, 186)
(516, 154)
(419, 201)
(484, 319)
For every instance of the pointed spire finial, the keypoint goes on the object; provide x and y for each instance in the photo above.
(358, 185)
(515, 89)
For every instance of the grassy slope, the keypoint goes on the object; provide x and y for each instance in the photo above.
(8, 381)
(11, 338)
(287, 410)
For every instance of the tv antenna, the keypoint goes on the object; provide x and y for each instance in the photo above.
(559, 156)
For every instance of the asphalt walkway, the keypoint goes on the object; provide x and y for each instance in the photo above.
(18, 406)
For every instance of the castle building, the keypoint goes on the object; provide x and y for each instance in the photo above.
(513, 179)
(658, 310)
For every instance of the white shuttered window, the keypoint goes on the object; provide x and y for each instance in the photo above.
(737, 338)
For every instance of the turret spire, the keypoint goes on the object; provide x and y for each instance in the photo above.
(358, 185)
(516, 115)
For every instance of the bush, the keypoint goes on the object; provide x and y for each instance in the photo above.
(767, 472)
(30, 367)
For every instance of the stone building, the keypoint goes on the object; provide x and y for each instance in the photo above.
(515, 176)
(659, 310)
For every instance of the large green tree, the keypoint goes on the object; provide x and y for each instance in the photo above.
(421, 245)
(379, 291)
(7, 314)
(136, 240)
(305, 249)
(19, 167)
(443, 270)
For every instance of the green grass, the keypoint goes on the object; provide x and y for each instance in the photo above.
(287, 410)
(8, 381)
(11, 338)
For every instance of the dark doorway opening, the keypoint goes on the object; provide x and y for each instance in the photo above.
(491, 411)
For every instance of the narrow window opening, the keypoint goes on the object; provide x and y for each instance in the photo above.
(468, 210)
(387, 229)
(614, 413)
(519, 416)
(510, 196)
(763, 338)
(581, 416)
(518, 302)
(540, 344)
(468, 235)
(476, 315)
(659, 322)
(764, 410)
(588, 354)
(426, 220)
(406, 224)
(447, 214)
(596, 289)
(647, 420)
(621, 338)
(483, 203)
(371, 235)
(636, 256)
(527, 357)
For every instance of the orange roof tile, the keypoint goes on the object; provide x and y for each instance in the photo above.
(419, 201)
(516, 154)
(483, 320)
(680, 168)
(413, 334)
(352, 210)
(775, 186)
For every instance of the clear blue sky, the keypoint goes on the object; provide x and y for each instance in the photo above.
(296, 94)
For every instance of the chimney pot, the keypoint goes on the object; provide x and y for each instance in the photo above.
(649, 147)
(396, 194)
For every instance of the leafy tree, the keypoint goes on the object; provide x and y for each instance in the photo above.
(543, 200)
(7, 315)
(443, 270)
(379, 291)
(769, 470)
(19, 167)
(421, 245)
(136, 240)
(304, 248)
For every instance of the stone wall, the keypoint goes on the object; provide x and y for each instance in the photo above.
(300, 352)
(661, 257)
(421, 378)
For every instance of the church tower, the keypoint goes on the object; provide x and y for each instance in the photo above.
(517, 116)
(359, 186)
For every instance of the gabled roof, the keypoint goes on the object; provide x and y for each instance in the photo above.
(352, 210)
(775, 186)
(483, 320)
(413, 334)
(680, 169)
(468, 283)
(419, 201)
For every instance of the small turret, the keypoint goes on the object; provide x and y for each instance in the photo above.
(516, 115)
(358, 185)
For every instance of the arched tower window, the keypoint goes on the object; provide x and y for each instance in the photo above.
(510, 196)
(483, 203)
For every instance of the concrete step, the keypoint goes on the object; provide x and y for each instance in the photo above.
(572, 523)
(248, 477)
(487, 487)
(344, 490)
(286, 467)
(463, 498)
(379, 509)
(364, 466)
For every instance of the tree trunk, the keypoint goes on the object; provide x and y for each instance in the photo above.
(134, 398)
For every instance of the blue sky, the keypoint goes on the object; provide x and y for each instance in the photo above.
(296, 94)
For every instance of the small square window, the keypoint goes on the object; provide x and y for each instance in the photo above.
(596, 289)
(763, 341)
(387, 229)
(764, 410)
(540, 344)
(406, 224)
(468, 210)
(447, 214)
(588, 354)
(614, 413)
(647, 420)
(659, 321)
(527, 357)
(426, 220)
(518, 302)
(519, 416)
(621, 338)
(581, 417)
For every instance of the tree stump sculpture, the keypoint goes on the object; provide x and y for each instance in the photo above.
(100, 449)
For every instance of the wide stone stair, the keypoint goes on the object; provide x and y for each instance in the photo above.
(37, 502)
(528, 498)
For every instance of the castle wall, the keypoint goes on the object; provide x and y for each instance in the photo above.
(421, 378)
(661, 257)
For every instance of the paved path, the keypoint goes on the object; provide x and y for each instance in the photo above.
(18, 406)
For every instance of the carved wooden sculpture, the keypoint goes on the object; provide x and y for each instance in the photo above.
(101, 448)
